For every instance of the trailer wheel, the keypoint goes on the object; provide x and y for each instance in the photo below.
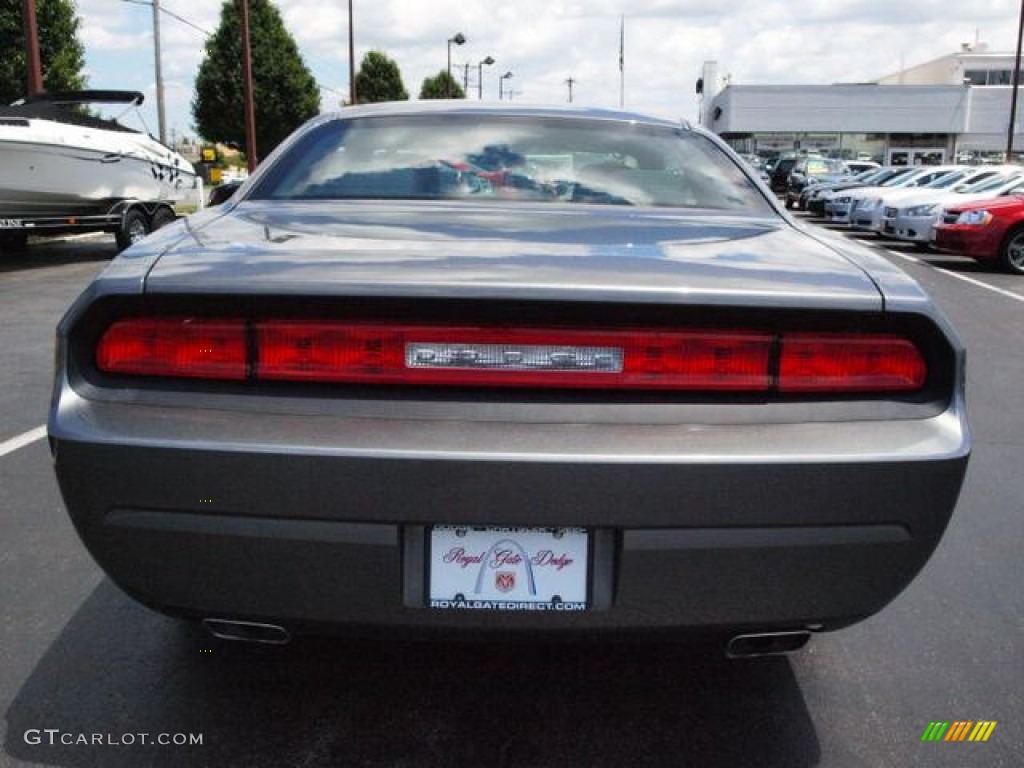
(162, 218)
(134, 227)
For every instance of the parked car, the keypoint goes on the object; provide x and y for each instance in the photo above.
(758, 165)
(778, 173)
(913, 219)
(859, 166)
(814, 197)
(991, 231)
(942, 182)
(222, 192)
(812, 170)
(869, 205)
(364, 392)
(840, 208)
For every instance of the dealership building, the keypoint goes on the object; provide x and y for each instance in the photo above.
(957, 106)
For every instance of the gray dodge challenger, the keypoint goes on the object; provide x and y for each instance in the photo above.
(527, 371)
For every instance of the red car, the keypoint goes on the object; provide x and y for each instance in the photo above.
(987, 230)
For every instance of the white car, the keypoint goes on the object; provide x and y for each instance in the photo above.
(815, 196)
(867, 208)
(914, 219)
(840, 208)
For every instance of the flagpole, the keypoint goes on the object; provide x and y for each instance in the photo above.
(622, 61)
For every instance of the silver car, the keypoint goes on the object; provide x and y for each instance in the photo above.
(869, 207)
(914, 220)
(838, 206)
(469, 368)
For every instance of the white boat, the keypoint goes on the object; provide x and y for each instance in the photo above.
(56, 160)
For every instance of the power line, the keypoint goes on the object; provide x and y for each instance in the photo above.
(207, 33)
(173, 15)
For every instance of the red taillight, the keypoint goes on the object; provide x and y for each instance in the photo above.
(473, 356)
(849, 363)
(512, 357)
(175, 346)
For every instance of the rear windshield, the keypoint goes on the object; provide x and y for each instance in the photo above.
(509, 158)
(823, 166)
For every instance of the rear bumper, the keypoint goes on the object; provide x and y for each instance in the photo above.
(691, 526)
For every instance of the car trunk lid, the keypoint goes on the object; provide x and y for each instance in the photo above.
(489, 251)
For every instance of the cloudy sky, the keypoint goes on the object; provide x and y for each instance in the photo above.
(545, 42)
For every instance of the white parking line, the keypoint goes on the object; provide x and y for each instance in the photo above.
(10, 446)
(971, 280)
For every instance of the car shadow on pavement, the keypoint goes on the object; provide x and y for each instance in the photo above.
(953, 263)
(118, 670)
(56, 252)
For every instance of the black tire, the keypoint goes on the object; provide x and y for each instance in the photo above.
(162, 218)
(1011, 253)
(134, 226)
(789, 204)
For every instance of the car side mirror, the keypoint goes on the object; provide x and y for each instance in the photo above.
(219, 195)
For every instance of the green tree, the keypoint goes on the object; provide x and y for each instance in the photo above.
(60, 50)
(284, 90)
(441, 86)
(379, 79)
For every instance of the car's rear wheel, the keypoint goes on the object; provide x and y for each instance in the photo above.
(1012, 253)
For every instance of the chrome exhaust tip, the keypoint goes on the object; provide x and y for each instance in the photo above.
(247, 631)
(766, 644)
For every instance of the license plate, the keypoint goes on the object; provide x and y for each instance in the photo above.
(508, 569)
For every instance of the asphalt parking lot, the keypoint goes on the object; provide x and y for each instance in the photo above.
(78, 659)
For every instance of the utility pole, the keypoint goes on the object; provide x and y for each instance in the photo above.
(250, 109)
(622, 62)
(34, 81)
(570, 83)
(465, 77)
(161, 114)
(1016, 86)
(351, 58)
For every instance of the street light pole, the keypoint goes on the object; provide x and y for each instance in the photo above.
(570, 82)
(34, 80)
(161, 114)
(501, 84)
(480, 77)
(459, 39)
